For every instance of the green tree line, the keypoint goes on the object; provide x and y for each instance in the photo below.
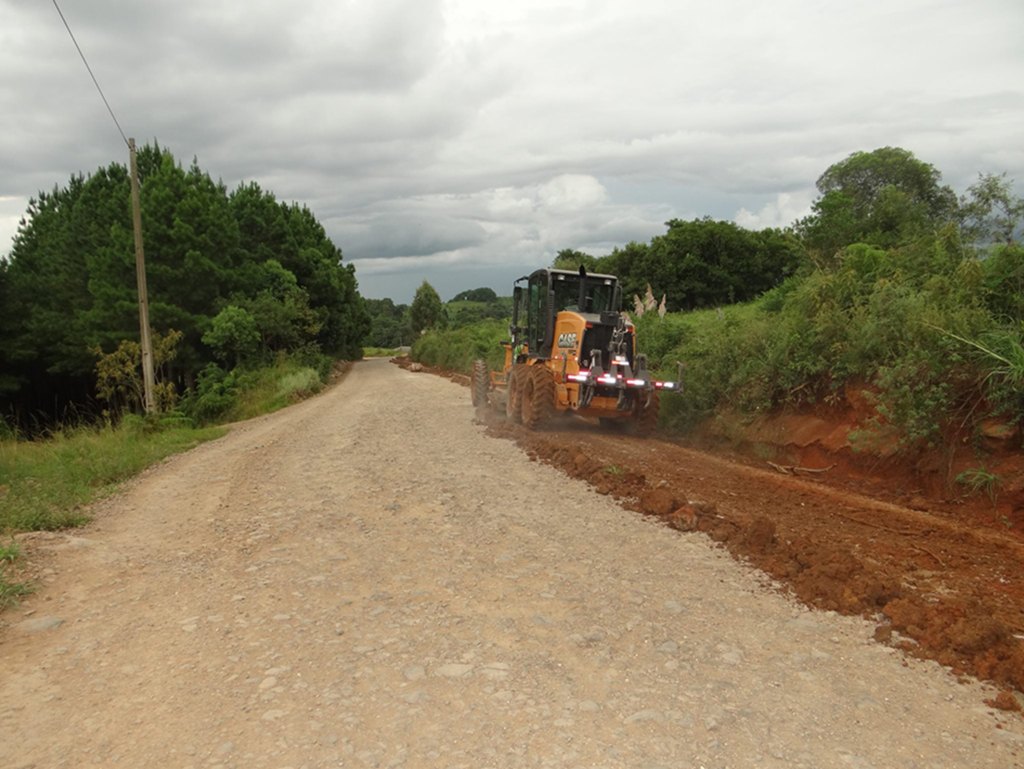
(239, 275)
(397, 325)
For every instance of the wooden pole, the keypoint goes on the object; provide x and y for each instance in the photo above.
(148, 378)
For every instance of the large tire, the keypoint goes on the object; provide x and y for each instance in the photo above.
(645, 420)
(513, 405)
(479, 382)
(539, 398)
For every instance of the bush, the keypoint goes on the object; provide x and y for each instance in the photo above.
(300, 384)
(456, 350)
(214, 395)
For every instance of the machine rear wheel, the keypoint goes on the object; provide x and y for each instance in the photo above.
(479, 382)
(539, 397)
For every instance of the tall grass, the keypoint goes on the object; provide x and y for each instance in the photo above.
(44, 484)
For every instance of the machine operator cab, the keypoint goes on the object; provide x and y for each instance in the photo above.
(547, 292)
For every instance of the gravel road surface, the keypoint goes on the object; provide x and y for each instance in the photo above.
(367, 580)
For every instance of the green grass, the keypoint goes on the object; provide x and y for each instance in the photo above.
(926, 329)
(379, 352)
(10, 590)
(44, 484)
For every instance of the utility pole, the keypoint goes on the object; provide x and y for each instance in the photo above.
(148, 378)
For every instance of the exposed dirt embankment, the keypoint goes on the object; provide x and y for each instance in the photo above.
(944, 580)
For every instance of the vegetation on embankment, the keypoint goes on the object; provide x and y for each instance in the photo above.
(928, 333)
(245, 392)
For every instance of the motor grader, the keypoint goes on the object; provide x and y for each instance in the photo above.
(571, 350)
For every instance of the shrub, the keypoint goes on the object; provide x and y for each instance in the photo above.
(300, 384)
(456, 350)
(214, 395)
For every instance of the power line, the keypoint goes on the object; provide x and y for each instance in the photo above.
(94, 80)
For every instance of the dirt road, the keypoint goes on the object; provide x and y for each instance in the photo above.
(367, 579)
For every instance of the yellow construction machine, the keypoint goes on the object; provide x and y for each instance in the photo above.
(571, 349)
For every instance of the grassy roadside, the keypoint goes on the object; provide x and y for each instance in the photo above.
(10, 589)
(45, 484)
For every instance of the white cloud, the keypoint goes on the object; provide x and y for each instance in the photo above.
(571, 192)
(783, 211)
(505, 230)
(469, 132)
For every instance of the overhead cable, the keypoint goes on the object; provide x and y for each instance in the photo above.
(94, 80)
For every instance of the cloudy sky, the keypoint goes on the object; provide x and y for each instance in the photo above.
(465, 142)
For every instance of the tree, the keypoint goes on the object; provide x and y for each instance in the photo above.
(704, 263)
(886, 198)
(234, 336)
(119, 373)
(991, 212)
(476, 295)
(427, 311)
(69, 283)
(391, 326)
(570, 259)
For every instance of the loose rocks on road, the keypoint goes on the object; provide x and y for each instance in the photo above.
(366, 579)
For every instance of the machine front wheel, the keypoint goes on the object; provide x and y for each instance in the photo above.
(513, 404)
(479, 382)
